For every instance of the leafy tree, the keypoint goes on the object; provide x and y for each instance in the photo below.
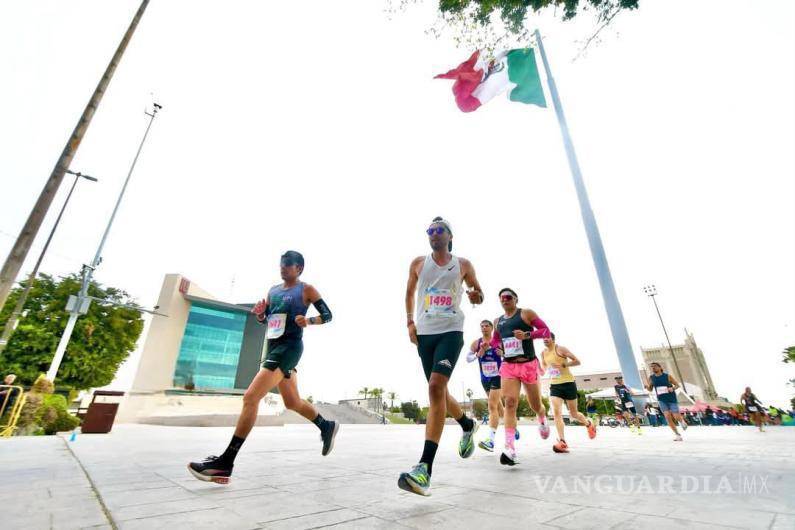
(789, 354)
(581, 400)
(410, 409)
(101, 341)
(504, 23)
(513, 13)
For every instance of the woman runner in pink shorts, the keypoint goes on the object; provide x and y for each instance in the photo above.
(516, 330)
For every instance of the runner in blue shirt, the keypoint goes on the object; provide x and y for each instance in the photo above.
(489, 355)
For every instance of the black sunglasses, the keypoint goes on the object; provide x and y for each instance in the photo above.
(439, 230)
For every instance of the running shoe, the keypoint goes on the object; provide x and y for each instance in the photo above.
(640, 431)
(327, 435)
(678, 438)
(543, 430)
(211, 469)
(516, 435)
(508, 457)
(561, 447)
(487, 445)
(467, 444)
(417, 480)
(591, 429)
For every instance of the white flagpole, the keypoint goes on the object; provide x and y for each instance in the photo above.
(618, 327)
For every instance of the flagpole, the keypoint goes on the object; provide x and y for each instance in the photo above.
(615, 317)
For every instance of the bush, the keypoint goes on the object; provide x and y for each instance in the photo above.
(480, 407)
(410, 410)
(45, 412)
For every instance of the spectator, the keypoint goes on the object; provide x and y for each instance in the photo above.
(651, 414)
(9, 394)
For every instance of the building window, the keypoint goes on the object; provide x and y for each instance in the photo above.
(210, 348)
(603, 379)
(586, 379)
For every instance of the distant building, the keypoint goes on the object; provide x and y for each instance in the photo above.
(370, 403)
(692, 364)
(199, 355)
(213, 344)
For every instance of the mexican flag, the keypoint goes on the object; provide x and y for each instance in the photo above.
(479, 79)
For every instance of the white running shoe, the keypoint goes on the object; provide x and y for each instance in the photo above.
(678, 438)
(543, 430)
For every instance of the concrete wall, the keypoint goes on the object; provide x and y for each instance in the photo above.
(161, 348)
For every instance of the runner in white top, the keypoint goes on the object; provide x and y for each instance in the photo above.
(438, 333)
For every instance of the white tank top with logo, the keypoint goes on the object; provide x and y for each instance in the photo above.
(439, 297)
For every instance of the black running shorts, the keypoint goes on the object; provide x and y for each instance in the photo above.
(565, 391)
(439, 352)
(492, 383)
(283, 355)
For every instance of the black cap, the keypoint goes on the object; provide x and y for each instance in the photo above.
(295, 258)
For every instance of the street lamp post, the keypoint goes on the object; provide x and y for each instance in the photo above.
(79, 305)
(11, 323)
(651, 292)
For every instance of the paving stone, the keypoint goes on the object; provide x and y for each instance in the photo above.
(281, 480)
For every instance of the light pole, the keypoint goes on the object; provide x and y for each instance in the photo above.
(78, 305)
(651, 292)
(15, 259)
(11, 323)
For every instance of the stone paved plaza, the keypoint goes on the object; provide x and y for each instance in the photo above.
(135, 478)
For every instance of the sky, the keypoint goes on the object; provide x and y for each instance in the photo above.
(318, 126)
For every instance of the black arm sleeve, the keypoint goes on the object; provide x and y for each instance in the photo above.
(322, 308)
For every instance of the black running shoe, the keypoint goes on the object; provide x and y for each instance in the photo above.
(327, 434)
(212, 469)
(508, 458)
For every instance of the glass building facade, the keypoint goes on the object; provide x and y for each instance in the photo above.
(210, 348)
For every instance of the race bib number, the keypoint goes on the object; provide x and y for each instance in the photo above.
(661, 390)
(553, 372)
(439, 302)
(751, 409)
(512, 347)
(276, 325)
(629, 405)
(490, 369)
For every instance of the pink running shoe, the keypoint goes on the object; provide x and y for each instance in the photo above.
(543, 430)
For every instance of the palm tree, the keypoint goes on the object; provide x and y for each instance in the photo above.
(377, 393)
(365, 391)
(392, 397)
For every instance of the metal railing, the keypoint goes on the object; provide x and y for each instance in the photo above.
(12, 398)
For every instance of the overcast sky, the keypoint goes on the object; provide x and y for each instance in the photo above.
(318, 126)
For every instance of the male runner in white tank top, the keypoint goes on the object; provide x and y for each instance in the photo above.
(438, 331)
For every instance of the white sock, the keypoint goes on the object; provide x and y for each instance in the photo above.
(492, 433)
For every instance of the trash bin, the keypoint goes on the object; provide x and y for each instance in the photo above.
(101, 412)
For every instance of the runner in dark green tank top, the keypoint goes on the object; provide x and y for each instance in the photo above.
(284, 312)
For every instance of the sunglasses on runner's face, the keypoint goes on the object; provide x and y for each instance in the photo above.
(439, 230)
(288, 263)
(506, 297)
